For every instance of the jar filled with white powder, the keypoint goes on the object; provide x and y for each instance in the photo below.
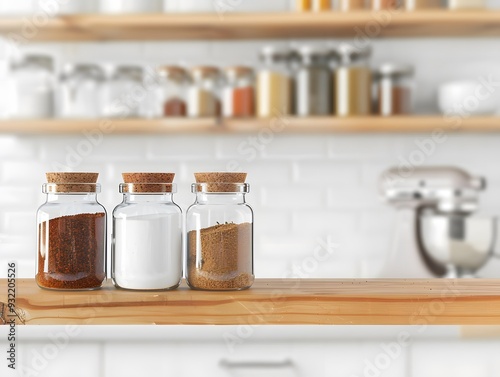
(147, 234)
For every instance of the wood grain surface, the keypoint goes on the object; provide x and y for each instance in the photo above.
(269, 301)
(287, 124)
(230, 25)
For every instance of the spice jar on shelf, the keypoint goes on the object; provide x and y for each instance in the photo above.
(313, 79)
(303, 5)
(387, 4)
(79, 91)
(239, 92)
(321, 5)
(124, 83)
(220, 233)
(131, 6)
(34, 87)
(351, 5)
(173, 86)
(71, 233)
(274, 86)
(416, 5)
(203, 92)
(352, 81)
(394, 85)
(147, 234)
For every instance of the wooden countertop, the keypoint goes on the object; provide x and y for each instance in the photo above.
(269, 301)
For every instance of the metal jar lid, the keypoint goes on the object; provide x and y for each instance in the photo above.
(392, 70)
(43, 61)
(273, 54)
(348, 53)
(131, 72)
(92, 71)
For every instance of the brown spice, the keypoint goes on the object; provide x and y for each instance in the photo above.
(243, 102)
(400, 102)
(220, 257)
(174, 107)
(72, 252)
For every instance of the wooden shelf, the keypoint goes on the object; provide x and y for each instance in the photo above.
(259, 26)
(401, 124)
(269, 301)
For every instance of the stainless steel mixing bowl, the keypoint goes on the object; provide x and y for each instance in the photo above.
(462, 244)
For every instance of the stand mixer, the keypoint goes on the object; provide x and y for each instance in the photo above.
(436, 233)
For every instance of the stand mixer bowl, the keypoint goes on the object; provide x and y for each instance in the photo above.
(460, 243)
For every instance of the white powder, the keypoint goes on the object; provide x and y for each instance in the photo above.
(148, 251)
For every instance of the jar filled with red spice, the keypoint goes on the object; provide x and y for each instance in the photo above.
(71, 233)
(239, 92)
(174, 82)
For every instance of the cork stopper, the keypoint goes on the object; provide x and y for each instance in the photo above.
(71, 183)
(72, 177)
(220, 182)
(147, 183)
(220, 177)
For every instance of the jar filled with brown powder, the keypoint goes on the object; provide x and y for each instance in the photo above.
(220, 233)
(71, 233)
(394, 89)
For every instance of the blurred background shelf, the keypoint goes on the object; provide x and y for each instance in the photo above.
(396, 124)
(258, 26)
(270, 301)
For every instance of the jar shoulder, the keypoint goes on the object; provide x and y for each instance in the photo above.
(138, 209)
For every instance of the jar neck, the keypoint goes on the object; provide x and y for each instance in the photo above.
(148, 198)
(220, 198)
(72, 198)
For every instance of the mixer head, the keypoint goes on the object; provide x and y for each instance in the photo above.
(446, 189)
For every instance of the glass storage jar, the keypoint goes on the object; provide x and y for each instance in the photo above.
(313, 78)
(131, 6)
(321, 5)
(80, 89)
(71, 233)
(351, 5)
(413, 5)
(203, 93)
(173, 86)
(239, 92)
(352, 81)
(34, 84)
(147, 234)
(124, 83)
(62, 7)
(394, 85)
(220, 233)
(378, 5)
(274, 86)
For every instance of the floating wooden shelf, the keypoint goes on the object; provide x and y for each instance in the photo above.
(260, 26)
(400, 124)
(269, 301)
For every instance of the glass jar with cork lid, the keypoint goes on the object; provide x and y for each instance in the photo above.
(71, 233)
(239, 92)
(174, 82)
(220, 233)
(147, 234)
(203, 92)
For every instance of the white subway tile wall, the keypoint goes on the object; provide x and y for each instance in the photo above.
(307, 190)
